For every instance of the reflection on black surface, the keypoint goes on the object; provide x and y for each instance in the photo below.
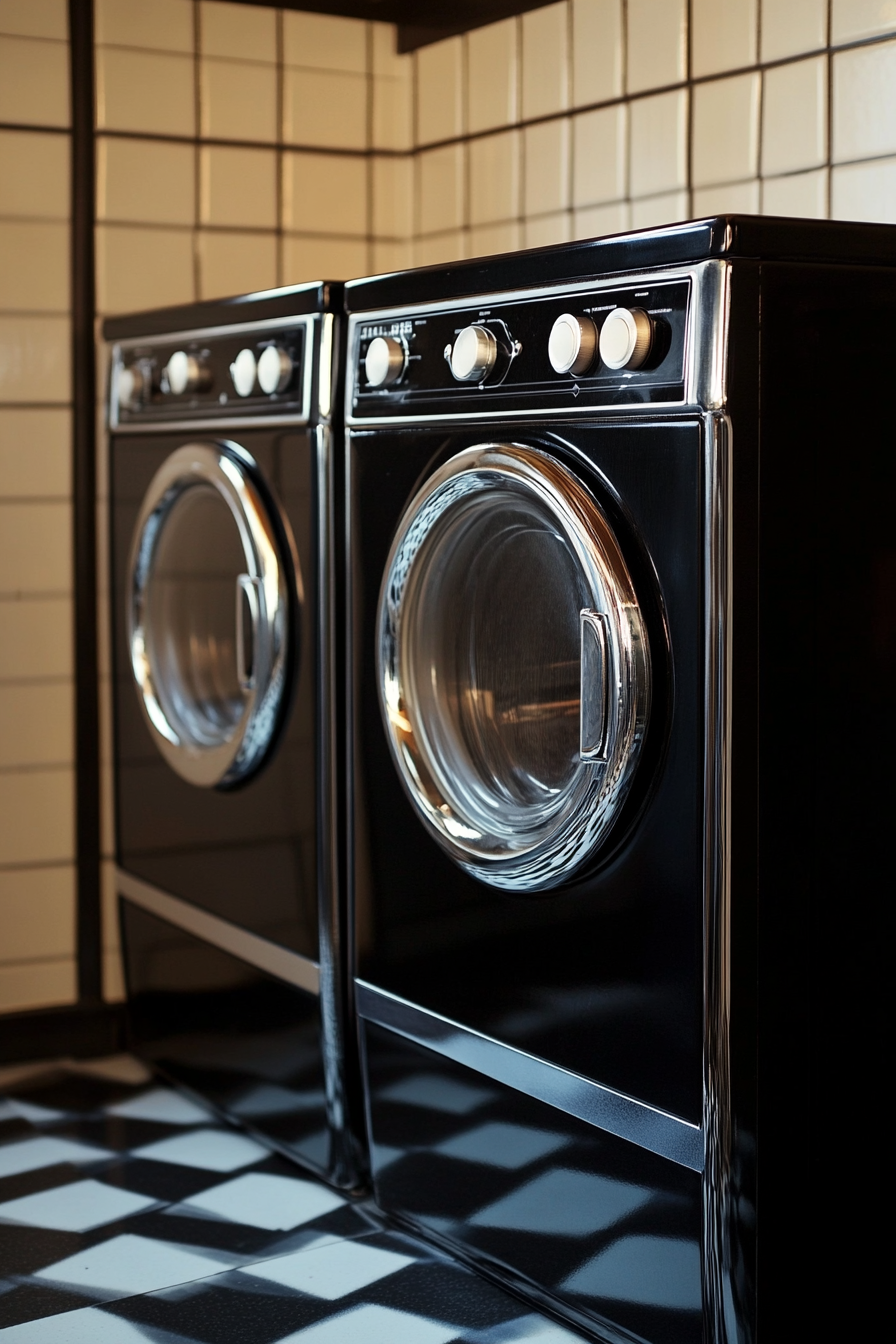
(610, 1231)
(248, 855)
(247, 1042)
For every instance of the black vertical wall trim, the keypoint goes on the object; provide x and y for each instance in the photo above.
(87, 752)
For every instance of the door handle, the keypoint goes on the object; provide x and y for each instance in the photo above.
(248, 596)
(593, 698)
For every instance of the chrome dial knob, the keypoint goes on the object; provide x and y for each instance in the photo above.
(243, 371)
(187, 373)
(384, 362)
(572, 344)
(473, 354)
(131, 383)
(275, 368)
(626, 338)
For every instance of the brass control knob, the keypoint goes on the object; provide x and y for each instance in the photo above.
(626, 338)
(384, 362)
(572, 344)
(275, 367)
(243, 371)
(131, 383)
(187, 373)
(473, 354)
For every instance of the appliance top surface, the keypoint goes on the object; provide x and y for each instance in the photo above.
(725, 236)
(320, 296)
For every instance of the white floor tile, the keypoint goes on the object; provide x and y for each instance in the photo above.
(563, 1203)
(207, 1149)
(277, 1203)
(37, 1115)
(130, 1264)
(374, 1325)
(331, 1271)
(88, 1325)
(75, 1208)
(161, 1104)
(45, 1151)
(436, 1093)
(501, 1145)
(536, 1330)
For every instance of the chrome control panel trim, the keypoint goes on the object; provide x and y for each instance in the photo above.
(230, 410)
(705, 344)
(279, 962)
(603, 1107)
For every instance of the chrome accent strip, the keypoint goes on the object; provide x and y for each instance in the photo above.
(722, 1305)
(306, 320)
(325, 367)
(345, 1157)
(277, 961)
(704, 368)
(221, 426)
(603, 1107)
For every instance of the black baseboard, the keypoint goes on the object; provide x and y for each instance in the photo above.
(79, 1032)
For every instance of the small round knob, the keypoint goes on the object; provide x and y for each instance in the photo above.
(274, 369)
(625, 338)
(572, 344)
(131, 383)
(242, 371)
(187, 373)
(384, 362)
(473, 354)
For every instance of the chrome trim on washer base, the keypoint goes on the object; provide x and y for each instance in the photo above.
(603, 1107)
(706, 336)
(274, 960)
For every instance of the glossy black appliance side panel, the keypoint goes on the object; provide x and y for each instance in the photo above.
(250, 854)
(234, 1035)
(606, 1234)
(605, 977)
(826, 743)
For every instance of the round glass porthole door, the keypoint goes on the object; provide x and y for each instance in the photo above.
(209, 613)
(513, 666)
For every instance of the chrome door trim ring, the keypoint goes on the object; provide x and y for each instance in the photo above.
(592, 802)
(228, 469)
(274, 960)
(603, 1107)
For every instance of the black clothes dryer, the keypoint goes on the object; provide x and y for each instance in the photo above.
(225, 444)
(617, 570)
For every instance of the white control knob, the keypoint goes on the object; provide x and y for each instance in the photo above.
(473, 354)
(384, 362)
(572, 344)
(130, 387)
(274, 369)
(187, 373)
(625, 338)
(242, 371)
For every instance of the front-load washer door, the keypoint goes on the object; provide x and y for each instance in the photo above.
(212, 588)
(513, 666)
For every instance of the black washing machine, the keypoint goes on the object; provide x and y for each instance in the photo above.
(621, 654)
(225, 459)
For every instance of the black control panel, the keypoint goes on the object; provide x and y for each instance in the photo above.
(513, 353)
(251, 373)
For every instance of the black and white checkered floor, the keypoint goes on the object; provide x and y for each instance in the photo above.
(129, 1213)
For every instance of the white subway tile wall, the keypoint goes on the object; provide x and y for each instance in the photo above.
(243, 146)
